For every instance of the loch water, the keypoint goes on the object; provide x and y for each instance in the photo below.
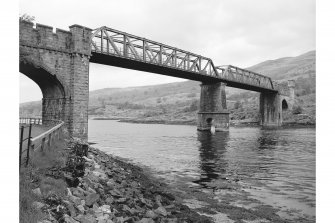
(275, 167)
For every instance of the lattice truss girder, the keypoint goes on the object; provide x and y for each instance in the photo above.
(237, 74)
(113, 42)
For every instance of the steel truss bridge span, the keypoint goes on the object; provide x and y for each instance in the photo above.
(116, 48)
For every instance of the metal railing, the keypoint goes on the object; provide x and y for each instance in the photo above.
(42, 141)
(36, 121)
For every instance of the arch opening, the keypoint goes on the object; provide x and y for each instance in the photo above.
(209, 121)
(53, 91)
(284, 105)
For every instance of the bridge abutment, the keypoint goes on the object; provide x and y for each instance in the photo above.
(271, 105)
(59, 64)
(213, 110)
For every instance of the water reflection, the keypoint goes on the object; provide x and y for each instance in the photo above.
(271, 139)
(212, 150)
(255, 156)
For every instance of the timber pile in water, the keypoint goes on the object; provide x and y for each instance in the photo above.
(104, 189)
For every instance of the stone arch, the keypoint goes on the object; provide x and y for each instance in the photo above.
(53, 90)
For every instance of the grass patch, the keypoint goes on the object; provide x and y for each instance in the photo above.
(36, 175)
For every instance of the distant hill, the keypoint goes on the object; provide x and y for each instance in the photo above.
(287, 67)
(178, 102)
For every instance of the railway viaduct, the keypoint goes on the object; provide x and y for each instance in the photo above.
(58, 62)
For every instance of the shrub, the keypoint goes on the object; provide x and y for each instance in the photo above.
(191, 95)
(193, 106)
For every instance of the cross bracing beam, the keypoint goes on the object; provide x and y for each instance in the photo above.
(122, 45)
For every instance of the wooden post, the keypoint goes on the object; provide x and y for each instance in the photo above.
(42, 144)
(49, 141)
(29, 142)
(21, 139)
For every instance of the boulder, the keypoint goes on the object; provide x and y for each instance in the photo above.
(86, 218)
(106, 209)
(77, 192)
(110, 183)
(37, 192)
(109, 200)
(68, 219)
(81, 208)
(161, 211)
(146, 220)
(38, 205)
(151, 214)
(70, 207)
(75, 200)
(91, 199)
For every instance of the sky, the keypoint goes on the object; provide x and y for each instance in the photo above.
(238, 32)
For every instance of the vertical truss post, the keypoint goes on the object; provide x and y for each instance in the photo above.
(125, 50)
(144, 49)
(107, 46)
(160, 55)
(101, 43)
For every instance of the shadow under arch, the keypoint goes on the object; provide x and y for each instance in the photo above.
(53, 90)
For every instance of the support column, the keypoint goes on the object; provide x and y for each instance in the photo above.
(213, 109)
(270, 109)
(79, 84)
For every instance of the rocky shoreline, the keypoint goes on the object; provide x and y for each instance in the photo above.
(104, 189)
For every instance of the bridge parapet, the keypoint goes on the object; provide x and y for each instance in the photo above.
(77, 40)
(43, 37)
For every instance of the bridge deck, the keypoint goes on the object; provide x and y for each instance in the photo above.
(116, 48)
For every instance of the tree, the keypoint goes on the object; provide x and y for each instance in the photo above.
(27, 18)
